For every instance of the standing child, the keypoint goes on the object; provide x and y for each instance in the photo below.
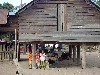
(56, 61)
(37, 57)
(47, 61)
(59, 52)
(42, 59)
(30, 59)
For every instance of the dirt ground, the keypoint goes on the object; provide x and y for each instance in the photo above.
(70, 67)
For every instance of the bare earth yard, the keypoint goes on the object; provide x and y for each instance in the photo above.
(70, 68)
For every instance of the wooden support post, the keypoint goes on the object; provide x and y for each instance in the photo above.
(74, 53)
(24, 48)
(99, 48)
(33, 53)
(62, 21)
(84, 55)
(78, 54)
(0, 51)
(15, 53)
(18, 51)
(13, 49)
(4, 54)
(70, 51)
(7, 54)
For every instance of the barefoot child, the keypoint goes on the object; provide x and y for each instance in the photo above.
(47, 61)
(42, 59)
(30, 59)
(37, 57)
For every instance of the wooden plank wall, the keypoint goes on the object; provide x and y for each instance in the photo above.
(82, 17)
(81, 22)
(13, 21)
(38, 18)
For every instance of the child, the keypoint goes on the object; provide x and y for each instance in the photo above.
(30, 59)
(47, 61)
(59, 52)
(42, 59)
(37, 57)
(56, 61)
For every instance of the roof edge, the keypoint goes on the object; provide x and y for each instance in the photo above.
(25, 7)
(35, 1)
(93, 4)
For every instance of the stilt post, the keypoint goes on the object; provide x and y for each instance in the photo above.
(78, 54)
(84, 55)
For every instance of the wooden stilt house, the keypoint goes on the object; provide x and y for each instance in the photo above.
(8, 24)
(74, 22)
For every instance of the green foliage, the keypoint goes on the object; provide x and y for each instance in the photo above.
(89, 47)
(98, 2)
(0, 6)
(6, 6)
(4, 36)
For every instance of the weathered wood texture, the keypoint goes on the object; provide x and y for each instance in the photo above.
(82, 17)
(38, 18)
(60, 20)
(66, 36)
(78, 54)
(3, 16)
(13, 24)
(84, 55)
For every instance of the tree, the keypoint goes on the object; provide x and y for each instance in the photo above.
(6, 6)
(0, 6)
(98, 2)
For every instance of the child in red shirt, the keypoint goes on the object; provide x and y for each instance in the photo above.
(37, 58)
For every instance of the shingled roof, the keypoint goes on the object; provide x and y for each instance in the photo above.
(3, 16)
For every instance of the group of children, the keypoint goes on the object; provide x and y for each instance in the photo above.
(43, 59)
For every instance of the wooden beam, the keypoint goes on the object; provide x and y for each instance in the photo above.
(60, 17)
(65, 17)
(33, 53)
(18, 51)
(84, 55)
(15, 53)
(78, 54)
(70, 51)
(74, 53)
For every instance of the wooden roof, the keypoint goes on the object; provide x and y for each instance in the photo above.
(3, 16)
(55, 1)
